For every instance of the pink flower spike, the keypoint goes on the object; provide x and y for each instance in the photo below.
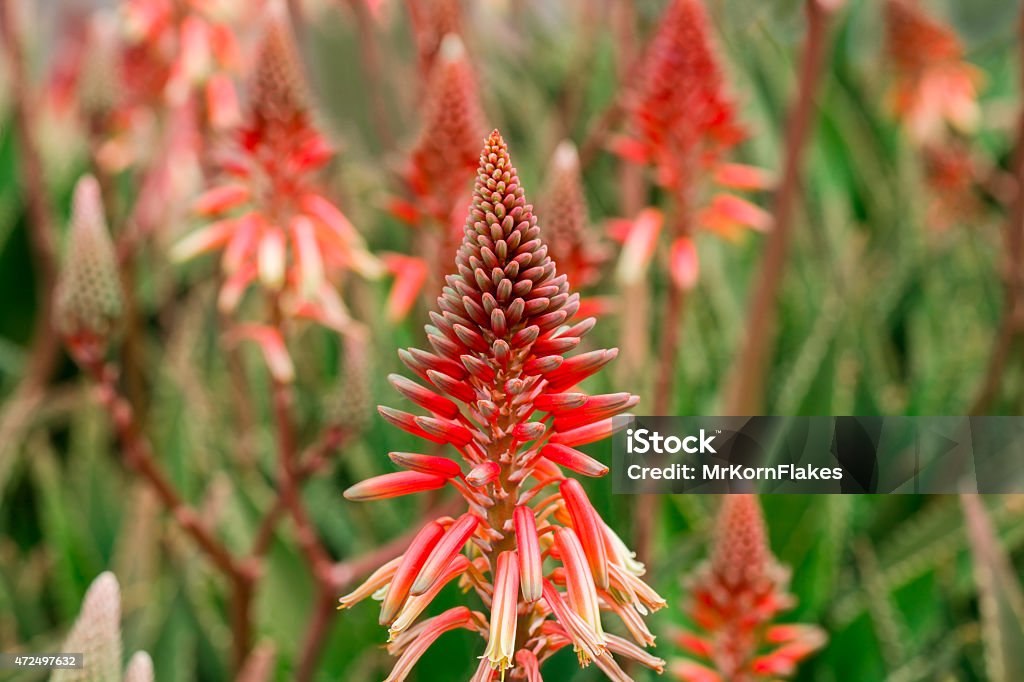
(588, 527)
(501, 643)
(426, 464)
(639, 246)
(683, 263)
(412, 562)
(394, 485)
(221, 199)
(452, 619)
(275, 353)
(483, 473)
(573, 459)
(530, 566)
(454, 540)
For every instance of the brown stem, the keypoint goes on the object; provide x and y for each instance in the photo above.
(316, 556)
(45, 345)
(744, 394)
(369, 52)
(308, 465)
(139, 457)
(1011, 329)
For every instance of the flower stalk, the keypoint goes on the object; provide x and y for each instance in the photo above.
(745, 389)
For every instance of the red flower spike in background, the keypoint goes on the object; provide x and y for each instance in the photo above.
(681, 114)
(683, 123)
(439, 172)
(736, 595)
(270, 219)
(444, 157)
(431, 21)
(933, 85)
(578, 253)
(500, 341)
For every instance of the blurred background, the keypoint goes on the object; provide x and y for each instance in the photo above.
(893, 299)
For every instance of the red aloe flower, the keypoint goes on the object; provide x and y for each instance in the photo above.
(439, 171)
(736, 596)
(443, 160)
(500, 391)
(932, 83)
(683, 122)
(271, 220)
(681, 113)
(578, 254)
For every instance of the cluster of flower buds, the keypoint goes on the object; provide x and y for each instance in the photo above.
(735, 598)
(933, 85)
(500, 389)
(270, 219)
(578, 253)
(88, 297)
(440, 170)
(683, 122)
(96, 634)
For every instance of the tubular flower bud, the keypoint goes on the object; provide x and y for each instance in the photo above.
(394, 485)
(272, 223)
(408, 569)
(446, 549)
(530, 567)
(452, 619)
(573, 459)
(377, 580)
(577, 252)
(503, 338)
(426, 464)
(415, 605)
(736, 596)
(88, 295)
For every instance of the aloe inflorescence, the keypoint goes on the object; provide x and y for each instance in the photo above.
(499, 387)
